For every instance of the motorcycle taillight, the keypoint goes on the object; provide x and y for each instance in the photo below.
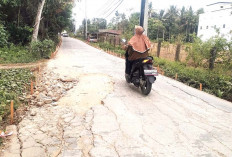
(149, 61)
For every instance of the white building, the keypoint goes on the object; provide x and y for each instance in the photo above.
(217, 15)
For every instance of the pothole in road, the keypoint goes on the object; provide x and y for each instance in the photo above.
(90, 91)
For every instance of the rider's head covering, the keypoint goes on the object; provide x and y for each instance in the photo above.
(139, 41)
(139, 30)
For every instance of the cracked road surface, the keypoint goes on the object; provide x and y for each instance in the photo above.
(103, 116)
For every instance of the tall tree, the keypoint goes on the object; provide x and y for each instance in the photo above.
(18, 18)
(171, 23)
(37, 21)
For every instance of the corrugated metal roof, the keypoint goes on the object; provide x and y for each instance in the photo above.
(118, 32)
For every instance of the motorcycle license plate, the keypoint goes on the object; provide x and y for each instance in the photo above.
(151, 72)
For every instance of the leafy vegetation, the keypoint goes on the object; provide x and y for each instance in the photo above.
(167, 25)
(108, 46)
(15, 54)
(213, 82)
(21, 54)
(17, 21)
(13, 83)
(215, 51)
(18, 17)
(42, 49)
(93, 25)
(3, 36)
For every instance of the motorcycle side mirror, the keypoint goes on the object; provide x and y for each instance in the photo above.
(123, 41)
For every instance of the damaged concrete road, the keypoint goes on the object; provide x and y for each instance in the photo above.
(103, 116)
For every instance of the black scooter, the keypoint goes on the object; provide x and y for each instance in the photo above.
(143, 74)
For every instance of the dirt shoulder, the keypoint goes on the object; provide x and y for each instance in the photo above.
(23, 65)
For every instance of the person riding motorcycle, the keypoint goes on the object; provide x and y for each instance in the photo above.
(137, 48)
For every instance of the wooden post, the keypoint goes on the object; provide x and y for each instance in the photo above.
(163, 73)
(35, 74)
(11, 111)
(39, 68)
(158, 69)
(200, 86)
(176, 76)
(32, 87)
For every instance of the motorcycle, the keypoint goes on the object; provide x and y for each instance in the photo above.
(143, 74)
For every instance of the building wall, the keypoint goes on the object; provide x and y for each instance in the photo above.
(220, 19)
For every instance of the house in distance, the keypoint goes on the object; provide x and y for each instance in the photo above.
(217, 16)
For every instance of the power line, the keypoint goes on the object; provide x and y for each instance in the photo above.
(110, 8)
(105, 6)
(114, 9)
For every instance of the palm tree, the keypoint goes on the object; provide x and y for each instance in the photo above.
(172, 17)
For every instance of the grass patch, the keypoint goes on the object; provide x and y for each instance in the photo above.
(107, 46)
(13, 83)
(19, 54)
(214, 82)
(16, 54)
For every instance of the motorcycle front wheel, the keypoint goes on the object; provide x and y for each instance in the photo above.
(146, 88)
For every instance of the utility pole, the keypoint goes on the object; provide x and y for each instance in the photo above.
(144, 15)
(86, 27)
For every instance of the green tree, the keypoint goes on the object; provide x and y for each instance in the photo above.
(3, 36)
(171, 21)
(18, 18)
(214, 49)
(196, 51)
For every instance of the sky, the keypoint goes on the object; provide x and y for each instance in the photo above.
(103, 8)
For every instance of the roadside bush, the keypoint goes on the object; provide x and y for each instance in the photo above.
(21, 54)
(19, 34)
(15, 54)
(3, 36)
(213, 82)
(116, 49)
(42, 49)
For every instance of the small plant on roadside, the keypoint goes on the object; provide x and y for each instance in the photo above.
(3, 36)
(15, 54)
(42, 49)
(196, 51)
(13, 83)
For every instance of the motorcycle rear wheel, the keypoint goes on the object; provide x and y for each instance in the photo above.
(127, 77)
(146, 88)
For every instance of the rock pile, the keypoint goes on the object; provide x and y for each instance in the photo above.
(50, 88)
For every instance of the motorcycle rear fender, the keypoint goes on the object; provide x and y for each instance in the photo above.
(151, 79)
(147, 66)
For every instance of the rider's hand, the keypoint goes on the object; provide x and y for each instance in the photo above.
(124, 47)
